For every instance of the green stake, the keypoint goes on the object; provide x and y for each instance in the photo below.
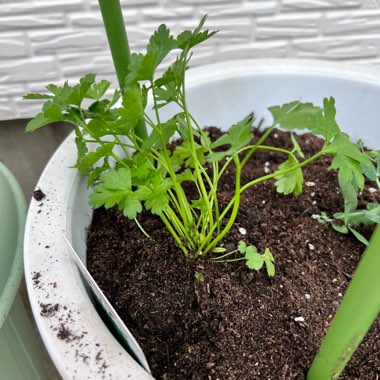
(118, 41)
(358, 310)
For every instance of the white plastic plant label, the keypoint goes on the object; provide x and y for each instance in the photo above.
(126, 337)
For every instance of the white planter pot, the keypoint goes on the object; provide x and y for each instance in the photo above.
(218, 95)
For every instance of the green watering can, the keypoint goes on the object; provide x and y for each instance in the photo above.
(20, 355)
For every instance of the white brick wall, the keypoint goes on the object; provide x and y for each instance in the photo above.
(50, 41)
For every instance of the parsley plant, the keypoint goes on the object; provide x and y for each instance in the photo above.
(135, 173)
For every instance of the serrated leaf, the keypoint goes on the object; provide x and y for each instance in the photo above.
(156, 195)
(185, 154)
(39, 121)
(349, 192)
(292, 181)
(362, 217)
(253, 259)
(199, 277)
(199, 204)
(331, 127)
(186, 175)
(79, 91)
(131, 205)
(132, 110)
(341, 145)
(115, 98)
(160, 44)
(155, 140)
(115, 188)
(85, 162)
(142, 67)
(188, 39)
(94, 175)
(238, 136)
(297, 115)
(297, 148)
(242, 246)
(269, 262)
(36, 96)
(370, 172)
(340, 228)
(52, 111)
(157, 202)
(142, 170)
(170, 83)
(99, 106)
(97, 128)
(97, 90)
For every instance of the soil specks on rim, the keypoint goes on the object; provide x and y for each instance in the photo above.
(48, 309)
(36, 278)
(38, 195)
(65, 334)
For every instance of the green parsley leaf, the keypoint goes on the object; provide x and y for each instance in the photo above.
(348, 161)
(292, 181)
(359, 236)
(238, 136)
(133, 110)
(79, 91)
(156, 194)
(362, 217)
(199, 277)
(160, 44)
(36, 96)
(253, 259)
(296, 147)
(154, 140)
(269, 262)
(187, 39)
(97, 90)
(330, 127)
(297, 115)
(39, 121)
(115, 188)
(85, 162)
(242, 246)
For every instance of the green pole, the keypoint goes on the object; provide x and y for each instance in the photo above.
(118, 41)
(358, 310)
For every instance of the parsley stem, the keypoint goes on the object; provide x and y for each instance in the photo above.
(184, 209)
(230, 260)
(236, 204)
(225, 255)
(197, 165)
(254, 182)
(141, 228)
(281, 172)
(177, 223)
(174, 234)
(259, 142)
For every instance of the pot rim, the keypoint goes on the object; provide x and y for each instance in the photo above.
(53, 279)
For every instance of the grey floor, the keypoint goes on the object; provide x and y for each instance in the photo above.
(26, 154)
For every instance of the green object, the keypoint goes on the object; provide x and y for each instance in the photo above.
(20, 357)
(358, 310)
(118, 41)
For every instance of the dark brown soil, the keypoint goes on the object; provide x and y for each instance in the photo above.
(237, 324)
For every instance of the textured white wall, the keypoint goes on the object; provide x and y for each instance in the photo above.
(47, 41)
